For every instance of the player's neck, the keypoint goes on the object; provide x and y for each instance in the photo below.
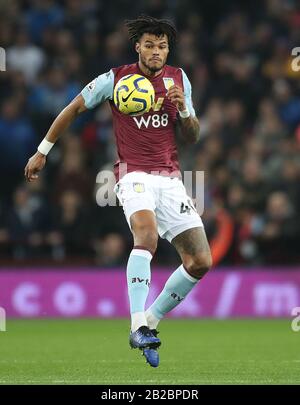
(147, 71)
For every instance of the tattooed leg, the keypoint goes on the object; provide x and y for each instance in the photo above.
(193, 248)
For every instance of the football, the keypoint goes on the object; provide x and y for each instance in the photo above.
(134, 95)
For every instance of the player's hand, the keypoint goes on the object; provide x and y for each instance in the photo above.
(176, 96)
(34, 165)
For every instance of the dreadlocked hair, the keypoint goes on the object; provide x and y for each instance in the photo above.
(150, 25)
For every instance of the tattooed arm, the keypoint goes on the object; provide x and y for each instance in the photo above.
(190, 128)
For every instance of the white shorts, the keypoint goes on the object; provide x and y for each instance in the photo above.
(165, 196)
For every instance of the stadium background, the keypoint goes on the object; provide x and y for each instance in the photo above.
(237, 55)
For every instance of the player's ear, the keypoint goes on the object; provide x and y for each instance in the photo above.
(138, 47)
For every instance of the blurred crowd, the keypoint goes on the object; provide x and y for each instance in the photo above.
(246, 94)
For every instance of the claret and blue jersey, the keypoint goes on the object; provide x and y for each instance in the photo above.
(147, 142)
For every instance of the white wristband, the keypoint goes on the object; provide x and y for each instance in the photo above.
(184, 114)
(45, 147)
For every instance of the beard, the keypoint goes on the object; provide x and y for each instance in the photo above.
(152, 68)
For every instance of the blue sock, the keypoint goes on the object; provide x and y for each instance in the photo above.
(138, 282)
(177, 287)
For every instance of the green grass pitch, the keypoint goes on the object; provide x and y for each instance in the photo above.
(91, 351)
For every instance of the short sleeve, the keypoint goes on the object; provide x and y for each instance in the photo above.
(187, 89)
(99, 90)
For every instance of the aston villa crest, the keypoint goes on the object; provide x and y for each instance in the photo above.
(168, 82)
(139, 187)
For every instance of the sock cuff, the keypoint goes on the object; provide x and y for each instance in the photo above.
(153, 312)
(140, 251)
(187, 275)
(138, 319)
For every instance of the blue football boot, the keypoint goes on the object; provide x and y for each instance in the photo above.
(143, 338)
(152, 356)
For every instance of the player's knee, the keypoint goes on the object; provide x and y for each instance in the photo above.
(147, 237)
(199, 264)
